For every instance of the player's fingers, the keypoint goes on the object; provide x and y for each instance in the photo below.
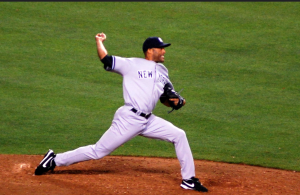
(100, 37)
(97, 35)
(175, 100)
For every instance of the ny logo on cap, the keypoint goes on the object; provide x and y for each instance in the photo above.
(160, 39)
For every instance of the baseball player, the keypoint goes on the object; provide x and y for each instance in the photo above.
(145, 81)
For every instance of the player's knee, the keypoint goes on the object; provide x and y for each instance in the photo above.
(180, 134)
(100, 152)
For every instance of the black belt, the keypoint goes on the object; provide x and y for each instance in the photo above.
(141, 114)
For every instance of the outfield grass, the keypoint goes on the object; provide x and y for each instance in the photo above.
(238, 62)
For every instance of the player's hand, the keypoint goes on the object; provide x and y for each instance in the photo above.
(100, 37)
(176, 101)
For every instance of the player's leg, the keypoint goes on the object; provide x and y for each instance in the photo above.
(106, 144)
(125, 126)
(158, 128)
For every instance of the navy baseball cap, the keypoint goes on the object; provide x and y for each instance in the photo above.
(154, 42)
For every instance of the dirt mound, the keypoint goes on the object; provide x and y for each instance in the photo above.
(140, 175)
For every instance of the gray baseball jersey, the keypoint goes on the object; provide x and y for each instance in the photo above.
(143, 83)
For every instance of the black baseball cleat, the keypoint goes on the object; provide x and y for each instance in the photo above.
(46, 164)
(193, 184)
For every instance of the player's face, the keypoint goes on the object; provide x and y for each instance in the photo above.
(158, 54)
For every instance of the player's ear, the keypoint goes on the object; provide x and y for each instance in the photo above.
(149, 53)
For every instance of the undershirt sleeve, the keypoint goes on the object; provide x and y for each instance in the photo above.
(108, 62)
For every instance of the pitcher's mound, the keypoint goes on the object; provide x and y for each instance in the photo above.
(140, 175)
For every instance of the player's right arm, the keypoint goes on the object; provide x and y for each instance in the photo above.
(102, 52)
(109, 61)
(100, 38)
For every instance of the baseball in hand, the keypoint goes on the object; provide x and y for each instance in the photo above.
(100, 37)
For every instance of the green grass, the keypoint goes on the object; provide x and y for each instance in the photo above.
(238, 62)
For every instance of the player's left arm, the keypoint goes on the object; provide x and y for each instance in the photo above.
(171, 98)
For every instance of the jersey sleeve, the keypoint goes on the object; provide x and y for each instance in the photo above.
(120, 65)
(165, 73)
(163, 69)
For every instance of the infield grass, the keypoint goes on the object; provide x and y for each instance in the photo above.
(238, 63)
